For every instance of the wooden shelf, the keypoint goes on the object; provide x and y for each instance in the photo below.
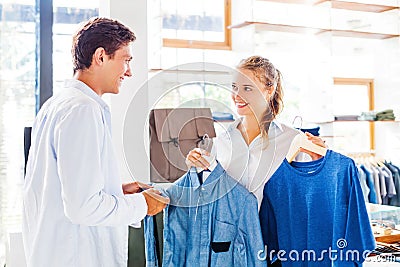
(326, 122)
(188, 71)
(265, 26)
(306, 2)
(361, 34)
(338, 4)
(361, 7)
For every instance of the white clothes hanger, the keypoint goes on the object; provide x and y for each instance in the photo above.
(301, 141)
(206, 145)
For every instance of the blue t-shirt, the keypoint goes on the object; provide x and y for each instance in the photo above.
(314, 214)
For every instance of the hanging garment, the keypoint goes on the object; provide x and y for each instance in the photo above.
(377, 183)
(390, 189)
(382, 184)
(313, 208)
(373, 198)
(173, 133)
(213, 224)
(363, 182)
(395, 201)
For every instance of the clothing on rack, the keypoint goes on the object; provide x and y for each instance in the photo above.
(327, 212)
(364, 184)
(395, 200)
(346, 117)
(382, 183)
(211, 224)
(371, 193)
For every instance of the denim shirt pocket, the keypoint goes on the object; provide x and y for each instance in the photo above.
(222, 244)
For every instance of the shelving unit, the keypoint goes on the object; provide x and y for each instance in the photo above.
(266, 26)
(278, 27)
(306, 2)
(344, 29)
(361, 34)
(361, 7)
(326, 122)
(336, 4)
(375, 8)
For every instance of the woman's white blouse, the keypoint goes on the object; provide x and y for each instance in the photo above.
(252, 165)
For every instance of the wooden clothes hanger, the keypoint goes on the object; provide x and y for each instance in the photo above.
(301, 141)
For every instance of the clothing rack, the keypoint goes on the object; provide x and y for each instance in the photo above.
(361, 154)
(379, 178)
(367, 157)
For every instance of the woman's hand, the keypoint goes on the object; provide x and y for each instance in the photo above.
(134, 187)
(316, 140)
(195, 158)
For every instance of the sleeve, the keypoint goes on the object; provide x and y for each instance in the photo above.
(78, 145)
(249, 224)
(269, 230)
(358, 236)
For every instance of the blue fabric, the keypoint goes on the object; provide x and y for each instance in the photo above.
(213, 224)
(150, 242)
(373, 198)
(309, 207)
(395, 201)
(314, 131)
(363, 182)
(222, 116)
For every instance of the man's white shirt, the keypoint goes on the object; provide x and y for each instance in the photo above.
(75, 213)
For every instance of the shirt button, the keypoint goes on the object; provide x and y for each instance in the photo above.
(203, 189)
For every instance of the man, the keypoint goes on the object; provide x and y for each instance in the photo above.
(76, 211)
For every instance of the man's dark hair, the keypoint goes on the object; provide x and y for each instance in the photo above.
(98, 32)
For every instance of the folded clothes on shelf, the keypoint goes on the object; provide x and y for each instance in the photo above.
(367, 116)
(222, 116)
(346, 117)
(385, 115)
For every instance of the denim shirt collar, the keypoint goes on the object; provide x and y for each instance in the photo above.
(84, 88)
(210, 182)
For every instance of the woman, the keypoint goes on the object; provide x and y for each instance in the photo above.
(254, 145)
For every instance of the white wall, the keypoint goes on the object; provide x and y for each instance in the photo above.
(364, 58)
(134, 15)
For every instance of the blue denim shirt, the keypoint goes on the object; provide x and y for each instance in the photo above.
(213, 224)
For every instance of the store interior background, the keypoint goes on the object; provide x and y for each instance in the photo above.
(309, 60)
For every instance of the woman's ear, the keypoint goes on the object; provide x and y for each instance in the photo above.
(268, 94)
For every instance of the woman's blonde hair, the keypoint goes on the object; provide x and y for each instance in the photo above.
(265, 71)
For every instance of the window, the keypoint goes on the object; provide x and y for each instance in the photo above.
(352, 97)
(198, 94)
(18, 78)
(17, 106)
(196, 24)
(67, 16)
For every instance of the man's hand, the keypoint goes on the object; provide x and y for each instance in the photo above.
(134, 187)
(155, 202)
